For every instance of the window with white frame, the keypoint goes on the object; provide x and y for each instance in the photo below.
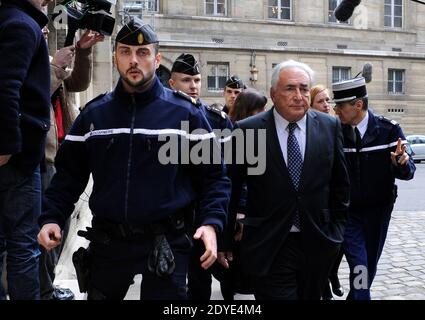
(396, 81)
(218, 72)
(331, 16)
(140, 6)
(215, 7)
(393, 13)
(280, 9)
(341, 73)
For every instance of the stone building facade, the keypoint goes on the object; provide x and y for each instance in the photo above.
(247, 37)
(230, 36)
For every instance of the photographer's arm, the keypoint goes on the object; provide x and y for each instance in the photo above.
(80, 77)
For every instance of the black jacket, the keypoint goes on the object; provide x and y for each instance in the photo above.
(322, 198)
(24, 84)
(371, 171)
(118, 139)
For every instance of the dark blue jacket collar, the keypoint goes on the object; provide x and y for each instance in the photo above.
(142, 98)
(371, 133)
(29, 9)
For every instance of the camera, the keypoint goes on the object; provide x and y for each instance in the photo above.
(94, 15)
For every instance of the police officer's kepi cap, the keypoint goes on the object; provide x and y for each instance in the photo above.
(136, 33)
(349, 90)
(187, 64)
(235, 83)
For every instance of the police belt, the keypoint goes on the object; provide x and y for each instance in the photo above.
(124, 231)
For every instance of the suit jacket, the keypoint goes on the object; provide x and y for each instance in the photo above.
(322, 199)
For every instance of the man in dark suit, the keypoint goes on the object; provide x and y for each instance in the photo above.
(297, 208)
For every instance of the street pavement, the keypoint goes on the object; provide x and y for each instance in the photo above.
(401, 269)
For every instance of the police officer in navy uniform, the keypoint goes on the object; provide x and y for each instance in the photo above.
(186, 77)
(234, 86)
(139, 202)
(375, 153)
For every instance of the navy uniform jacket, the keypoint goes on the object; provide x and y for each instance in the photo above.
(216, 118)
(116, 139)
(372, 174)
(24, 84)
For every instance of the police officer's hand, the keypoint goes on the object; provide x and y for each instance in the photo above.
(208, 236)
(89, 39)
(4, 159)
(63, 57)
(49, 236)
(399, 157)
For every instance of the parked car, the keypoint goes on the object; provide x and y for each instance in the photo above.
(417, 144)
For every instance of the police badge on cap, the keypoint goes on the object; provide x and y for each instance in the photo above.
(235, 83)
(187, 64)
(136, 33)
(349, 90)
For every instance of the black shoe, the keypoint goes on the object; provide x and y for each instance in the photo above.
(62, 294)
(338, 291)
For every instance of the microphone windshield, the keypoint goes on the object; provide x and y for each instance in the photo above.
(345, 9)
(367, 72)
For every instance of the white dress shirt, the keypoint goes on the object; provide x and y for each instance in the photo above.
(362, 125)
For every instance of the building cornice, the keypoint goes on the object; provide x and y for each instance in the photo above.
(325, 25)
(251, 47)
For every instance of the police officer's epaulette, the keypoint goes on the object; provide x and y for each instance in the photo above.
(185, 96)
(100, 96)
(217, 111)
(393, 122)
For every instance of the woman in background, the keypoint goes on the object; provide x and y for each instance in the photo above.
(248, 103)
(320, 99)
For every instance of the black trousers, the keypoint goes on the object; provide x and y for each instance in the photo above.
(296, 273)
(199, 280)
(114, 265)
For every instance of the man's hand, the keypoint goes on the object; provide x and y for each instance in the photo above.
(50, 236)
(208, 236)
(4, 159)
(89, 39)
(63, 57)
(399, 157)
(223, 258)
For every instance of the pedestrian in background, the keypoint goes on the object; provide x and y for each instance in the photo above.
(24, 118)
(63, 112)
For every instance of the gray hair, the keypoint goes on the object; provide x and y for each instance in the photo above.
(291, 64)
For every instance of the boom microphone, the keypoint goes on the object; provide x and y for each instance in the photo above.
(367, 72)
(345, 9)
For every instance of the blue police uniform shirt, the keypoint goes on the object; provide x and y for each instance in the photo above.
(372, 174)
(116, 139)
